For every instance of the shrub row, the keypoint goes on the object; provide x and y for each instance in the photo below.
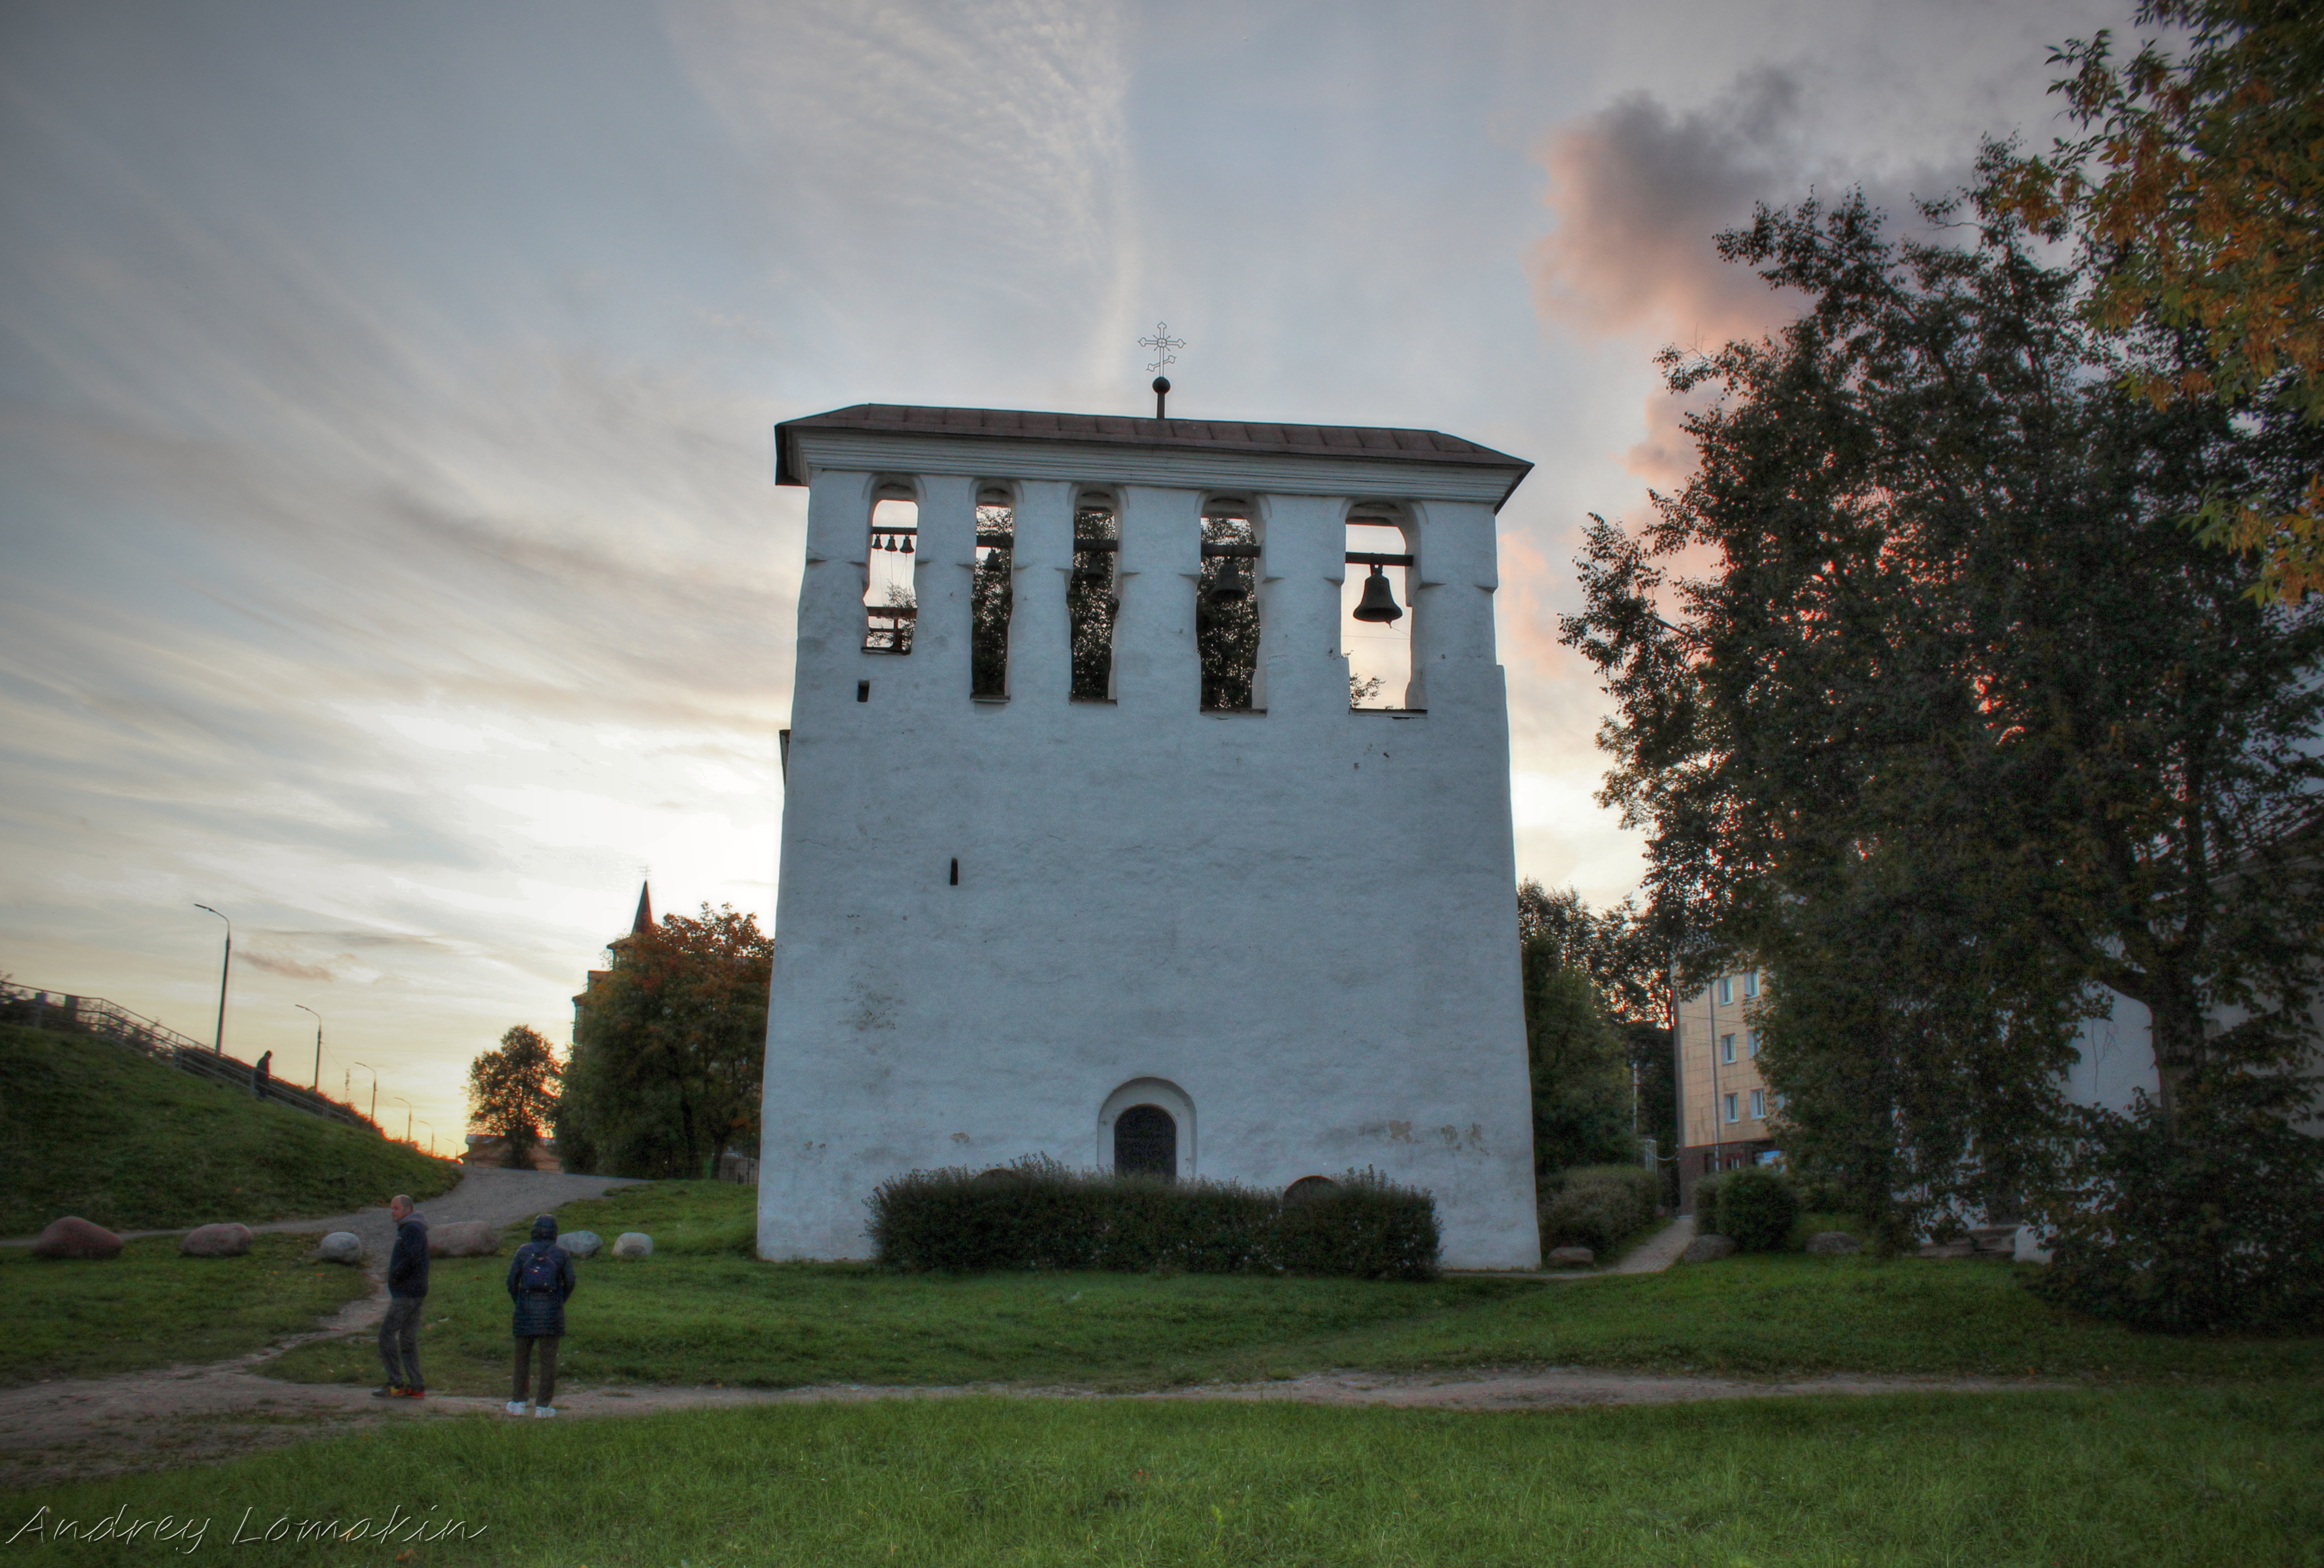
(1038, 1213)
(1755, 1207)
(1597, 1205)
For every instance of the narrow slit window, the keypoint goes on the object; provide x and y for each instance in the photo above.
(890, 596)
(1092, 599)
(1226, 609)
(1375, 614)
(992, 596)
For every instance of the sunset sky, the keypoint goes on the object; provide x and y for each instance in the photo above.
(389, 554)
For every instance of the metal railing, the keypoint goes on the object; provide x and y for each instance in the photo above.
(109, 1020)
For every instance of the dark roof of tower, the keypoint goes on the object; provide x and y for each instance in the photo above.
(1118, 429)
(644, 922)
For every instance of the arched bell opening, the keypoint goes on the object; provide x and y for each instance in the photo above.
(1374, 607)
(1308, 1188)
(892, 596)
(992, 591)
(1092, 594)
(1145, 1142)
(1226, 606)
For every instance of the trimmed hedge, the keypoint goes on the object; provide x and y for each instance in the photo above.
(1597, 1205)
(1755, 1207)
(1038, 1213)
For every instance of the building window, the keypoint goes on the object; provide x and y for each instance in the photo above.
(1758, 1104)
(1751, 1042)
(991, 596)
(1750, 985)
(890, 600)
(1226, 607)
(1731, 1109)
(1091, 600)
(1725, 989)
(1726, 1052)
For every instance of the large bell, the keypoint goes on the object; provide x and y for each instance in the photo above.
(1230, 585)
(1378, 603)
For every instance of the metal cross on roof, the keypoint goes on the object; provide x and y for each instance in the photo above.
(1162, 343)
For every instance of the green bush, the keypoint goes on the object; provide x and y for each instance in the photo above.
(1598, 1206)
(1038, 1213)
(1756, 1208)
(2221, 1228)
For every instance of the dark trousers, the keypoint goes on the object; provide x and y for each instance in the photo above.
(547, 1343)
(399, 1341)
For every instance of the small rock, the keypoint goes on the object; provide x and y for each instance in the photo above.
(229, 1240)
(1564, 1257)
(463, 1239)
(581, 1243)
(74, 1237)
(340, 1247)
(1833, 1244)
(1707, 1250)
(634, 1244)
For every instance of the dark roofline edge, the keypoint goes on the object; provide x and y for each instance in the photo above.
(1121, 431)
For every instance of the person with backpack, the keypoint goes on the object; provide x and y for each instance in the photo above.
(539, 1278)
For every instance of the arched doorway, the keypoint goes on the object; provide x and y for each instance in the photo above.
(1145, 1142)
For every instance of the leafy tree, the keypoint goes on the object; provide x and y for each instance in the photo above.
(668, 1051)
(1580, 1078)
(2197, 195)
(512, 1091)
(1622, 956)
(1962, 722)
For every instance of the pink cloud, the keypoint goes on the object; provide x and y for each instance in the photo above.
(1640, 192)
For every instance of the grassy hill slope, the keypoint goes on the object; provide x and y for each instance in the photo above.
(93, 1129)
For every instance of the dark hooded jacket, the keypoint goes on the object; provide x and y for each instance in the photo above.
(541, 1313)
(406, 1266)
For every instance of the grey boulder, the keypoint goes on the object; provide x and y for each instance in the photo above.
(1707, 1250)
(1833, 1244)
(1570, 1257)
(634, 1244)
(229, 1240)
(340, 1247)
(463, 1239)
(79, 1240)
(581, 1243)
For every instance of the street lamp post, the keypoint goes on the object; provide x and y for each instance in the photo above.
(399, 1100)
(302, 1007)
(431, 1136)
(367, 1067)
(225, 967)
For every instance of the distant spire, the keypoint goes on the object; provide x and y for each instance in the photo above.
(644, 922)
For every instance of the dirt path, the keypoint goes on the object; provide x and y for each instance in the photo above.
(142, 1421)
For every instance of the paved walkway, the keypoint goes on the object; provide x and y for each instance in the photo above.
(1651, 1256)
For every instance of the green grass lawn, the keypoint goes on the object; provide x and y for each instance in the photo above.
(150, 1307)
(702, 1310)
(2155, 1477)
(93, 1129)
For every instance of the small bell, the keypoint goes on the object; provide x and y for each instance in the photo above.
(1378, 603)
(1230, 587)
(907, 544)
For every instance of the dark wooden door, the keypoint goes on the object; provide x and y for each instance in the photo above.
(1145, 1142)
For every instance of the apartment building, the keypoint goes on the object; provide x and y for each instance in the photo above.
(1724, 1103)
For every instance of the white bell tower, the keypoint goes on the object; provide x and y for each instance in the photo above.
(1087, 851)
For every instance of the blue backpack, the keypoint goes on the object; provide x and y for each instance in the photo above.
(540, 1276)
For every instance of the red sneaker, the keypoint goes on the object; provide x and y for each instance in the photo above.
(412, 1393)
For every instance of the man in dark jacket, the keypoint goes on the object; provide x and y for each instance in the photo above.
(407, 1298)
(263, 1070)
(539, 1278)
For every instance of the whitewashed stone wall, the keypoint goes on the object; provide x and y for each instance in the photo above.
(1294, 929)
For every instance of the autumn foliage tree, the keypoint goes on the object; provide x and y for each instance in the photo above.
(512, 1092)
(2198, 195)
(668, 1049)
